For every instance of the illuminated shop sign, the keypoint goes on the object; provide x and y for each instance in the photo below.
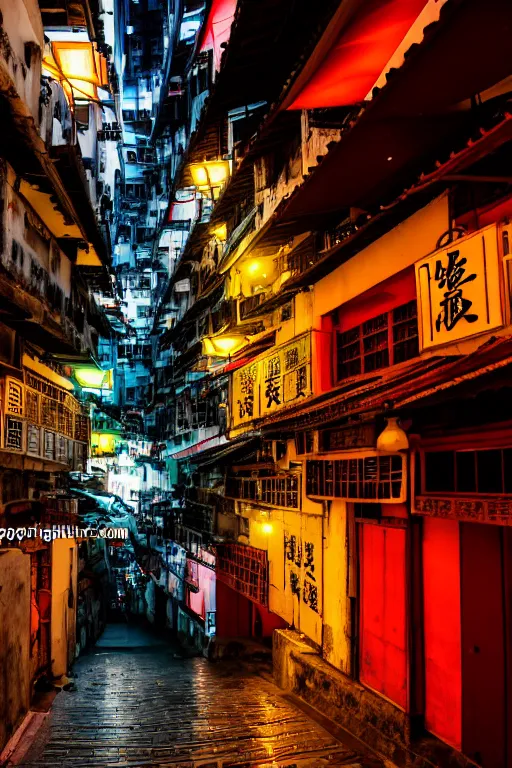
(458, 289)
(281, 378)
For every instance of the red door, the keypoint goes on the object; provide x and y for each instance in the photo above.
(483, 645)
(383, 647)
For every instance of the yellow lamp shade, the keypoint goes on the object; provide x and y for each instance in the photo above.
(79, 66)
(93, 378)
(207, 175)
(223, 346)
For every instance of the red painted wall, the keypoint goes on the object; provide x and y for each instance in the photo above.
(383, 655)
(442, 628)
(391, 293)
(236, 615)
(270, 621)
(483, 651)
(233, 617)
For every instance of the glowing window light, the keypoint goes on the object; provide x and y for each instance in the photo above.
(221, 232)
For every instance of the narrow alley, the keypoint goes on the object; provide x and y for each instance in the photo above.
(145, 705)
(256, 383)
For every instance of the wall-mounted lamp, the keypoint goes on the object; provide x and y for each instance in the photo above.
(207, 176)
(393, 438)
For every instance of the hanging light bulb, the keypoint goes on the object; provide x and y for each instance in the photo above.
(392, 438)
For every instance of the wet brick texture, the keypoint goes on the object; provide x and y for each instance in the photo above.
(145, 707)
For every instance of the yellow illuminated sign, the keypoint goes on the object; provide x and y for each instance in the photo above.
(458, 289)
(280, 378)
(93, 378)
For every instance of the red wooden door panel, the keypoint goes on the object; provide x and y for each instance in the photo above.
(441, 600)
(383, 655)
(483, 645)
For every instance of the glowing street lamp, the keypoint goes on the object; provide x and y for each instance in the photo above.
(209, 175)
(93, 378)
(223, 346)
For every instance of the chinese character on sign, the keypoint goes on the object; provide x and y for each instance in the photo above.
(246, 406)
(451, 278)
(309, 560)
(291, 358)
(310, 595)
(298, 555)
(301, 381)
(273, 391)
(246, 386)
(458, 289)
(274, 367)
(290, 547)
(295, 584)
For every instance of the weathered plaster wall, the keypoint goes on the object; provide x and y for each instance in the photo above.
(64, 597)
(380, 724)
(336, 643)
(14, 641)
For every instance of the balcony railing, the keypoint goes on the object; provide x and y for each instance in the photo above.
(247, 306)
(196, 517)
(298, 263)
(275, 491)
(224, 315)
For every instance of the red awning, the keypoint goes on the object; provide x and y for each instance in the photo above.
(210, 442)
(217, 28)
(360, 52)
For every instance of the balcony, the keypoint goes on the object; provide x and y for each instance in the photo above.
(223, 316)
(196, 517)
(280, 491)
(248, 306)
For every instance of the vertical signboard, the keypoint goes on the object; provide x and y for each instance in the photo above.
(458, 289)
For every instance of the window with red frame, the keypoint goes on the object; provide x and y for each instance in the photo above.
(379, 342)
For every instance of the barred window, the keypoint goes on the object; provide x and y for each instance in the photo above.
(369, 478)
(384, 340)
(276, 491)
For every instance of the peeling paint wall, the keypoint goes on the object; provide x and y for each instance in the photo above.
(64, 597)
(14, 641)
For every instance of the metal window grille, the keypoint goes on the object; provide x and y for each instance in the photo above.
(275, 491)
(384, 340)
(244, 569)
(368, 478)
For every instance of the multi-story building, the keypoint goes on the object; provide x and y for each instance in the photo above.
(331, 380)
(57, 177)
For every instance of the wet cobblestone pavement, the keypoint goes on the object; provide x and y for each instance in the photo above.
(145, 707)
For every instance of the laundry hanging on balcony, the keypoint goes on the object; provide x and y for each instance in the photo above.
(79, 66)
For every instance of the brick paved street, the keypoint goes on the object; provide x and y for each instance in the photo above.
(144, 706)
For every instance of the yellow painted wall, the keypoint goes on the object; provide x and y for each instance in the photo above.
(336, 646)
(301, 321)
(403, 246)
(306, 528)
(15, 680)
(64, 587)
